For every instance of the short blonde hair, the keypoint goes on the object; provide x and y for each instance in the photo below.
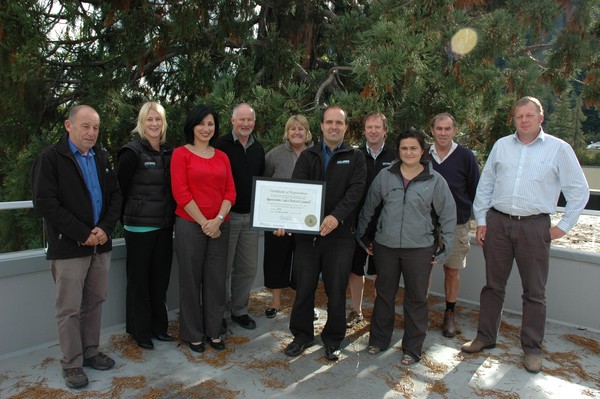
(376, 115)
(526, 100)
(144, 111)
(297, 120)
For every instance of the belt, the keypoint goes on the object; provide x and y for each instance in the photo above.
(516, 217)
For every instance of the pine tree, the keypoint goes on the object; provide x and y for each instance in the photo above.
(284, 57)
(561, 122)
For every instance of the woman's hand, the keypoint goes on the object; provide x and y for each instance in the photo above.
(280, 233)
(212, 228)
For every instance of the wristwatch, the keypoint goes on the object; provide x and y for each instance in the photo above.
(221, 217)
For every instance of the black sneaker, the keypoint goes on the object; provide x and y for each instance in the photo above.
(244, 321)
(75, 378)
(332, 352)
(295, 348)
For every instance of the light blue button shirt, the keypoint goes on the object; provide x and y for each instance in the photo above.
(526, 179)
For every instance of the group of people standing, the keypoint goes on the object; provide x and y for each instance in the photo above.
(388, 211)
(210, 179)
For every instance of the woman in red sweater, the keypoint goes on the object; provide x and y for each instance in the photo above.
(203, 188)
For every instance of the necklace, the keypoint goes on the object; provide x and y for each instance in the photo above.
(206, 152)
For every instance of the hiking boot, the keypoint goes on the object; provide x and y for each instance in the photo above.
(449, 327)
(99, 362)
(75, 378)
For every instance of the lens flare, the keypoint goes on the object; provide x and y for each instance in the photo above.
(463, 41)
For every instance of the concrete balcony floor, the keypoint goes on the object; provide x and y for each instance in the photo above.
(254, 366)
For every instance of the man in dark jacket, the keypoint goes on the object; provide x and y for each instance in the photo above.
(378, 156)
(329, 253)
(247, 158)
(75, 191)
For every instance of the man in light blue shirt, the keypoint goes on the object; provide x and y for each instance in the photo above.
(519, 188)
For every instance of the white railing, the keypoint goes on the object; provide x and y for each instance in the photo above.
(16, 205)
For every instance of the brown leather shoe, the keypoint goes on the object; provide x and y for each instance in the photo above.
(476, 346)
(449, 327)
(533, 363)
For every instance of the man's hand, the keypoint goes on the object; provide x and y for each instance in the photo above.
(100, 235)
(329, 224)
(480, 234)
(556, 233)
(92, 240)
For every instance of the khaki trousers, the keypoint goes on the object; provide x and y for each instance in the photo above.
(81, 288)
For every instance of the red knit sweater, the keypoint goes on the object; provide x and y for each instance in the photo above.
(207, 181)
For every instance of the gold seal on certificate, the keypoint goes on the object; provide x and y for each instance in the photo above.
(310, 220)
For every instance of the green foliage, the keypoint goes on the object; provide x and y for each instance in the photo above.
(567, 118)
(588, 157)
(283, 57)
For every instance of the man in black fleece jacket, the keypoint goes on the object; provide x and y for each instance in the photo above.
(76, 192)
(247, 158)
(330, 252)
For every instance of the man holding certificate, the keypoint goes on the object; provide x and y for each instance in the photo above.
(329, 252)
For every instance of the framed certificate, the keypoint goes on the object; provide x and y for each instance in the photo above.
(293, 205)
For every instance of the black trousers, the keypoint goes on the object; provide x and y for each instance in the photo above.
(331, 257)
(415, 266)
(277, 264)
(149, 258)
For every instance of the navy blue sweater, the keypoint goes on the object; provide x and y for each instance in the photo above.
(461, 171)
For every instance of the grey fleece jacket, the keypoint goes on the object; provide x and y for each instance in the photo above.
(406, 219)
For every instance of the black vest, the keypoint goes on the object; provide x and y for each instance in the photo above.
(149, 199)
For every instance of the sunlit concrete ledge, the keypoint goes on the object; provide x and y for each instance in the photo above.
(27, 293)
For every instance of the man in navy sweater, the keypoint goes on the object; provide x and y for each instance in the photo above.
(458, 166)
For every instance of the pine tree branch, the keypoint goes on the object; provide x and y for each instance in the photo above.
(327, 82)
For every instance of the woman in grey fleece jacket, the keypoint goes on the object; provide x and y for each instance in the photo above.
(415, 202)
